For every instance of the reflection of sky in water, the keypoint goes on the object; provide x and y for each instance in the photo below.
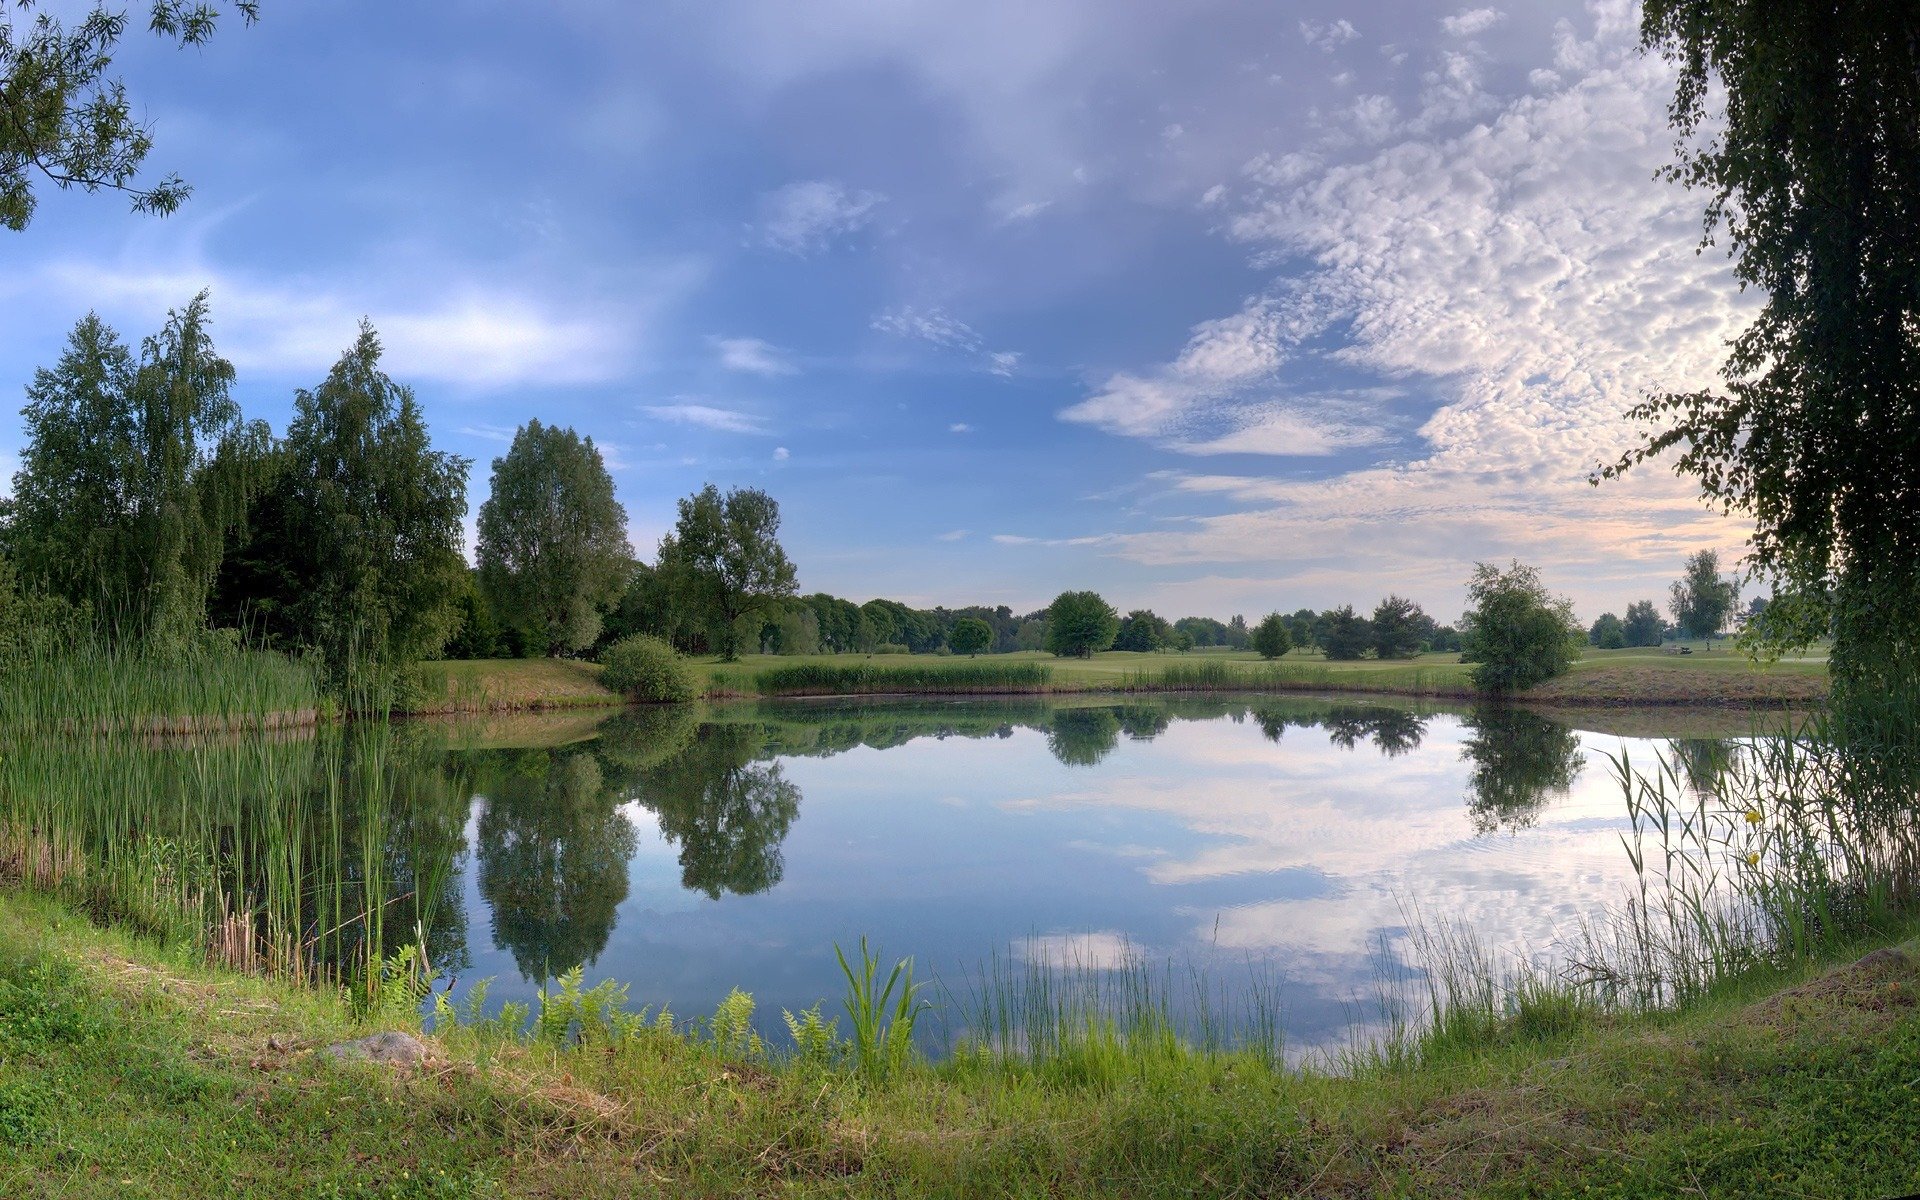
(1207, 842)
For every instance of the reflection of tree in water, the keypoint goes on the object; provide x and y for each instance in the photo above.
(1393, 731)
(1081, 737)
(553, 856)
(1273, 722)
(1520, 760)
(1144, 722)
(726, 812)
(1702, 763)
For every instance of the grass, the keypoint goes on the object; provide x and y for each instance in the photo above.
(941, 676)
(126, 1070)
(93, 685)
(509, 685)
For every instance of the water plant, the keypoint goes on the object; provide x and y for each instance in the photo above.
(882, 1017)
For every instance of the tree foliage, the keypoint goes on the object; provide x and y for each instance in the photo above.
(1515, 631)
(1080, 624)
(1701, 601)
(134, 473)
(1643, 625)
(724, 559)
(1343, 635)
(1608, 633)
(1813, 172)
(1143, 630)
(62, 120)
(552, 539)
(1271, 637)
(1400, 627)
(373, 517)
(970, 636)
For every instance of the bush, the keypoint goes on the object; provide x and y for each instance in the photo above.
(644, 668)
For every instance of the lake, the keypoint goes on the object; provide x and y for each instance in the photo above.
(1291, 846)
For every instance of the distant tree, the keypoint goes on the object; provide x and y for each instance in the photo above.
(724, 559)
(135, 473)
(374, 516)
(1701, 601)
(970, 636)
(65, 121)
(552, 539)
(1204, 631)
(1445, 639)
(1301, 623)
(1400, 628)
(1271, 638)
(1643, 625)
(1237, 635)
(1032, 634)
(1182, 640)
(1515, 631)
(1141, 630)
(1607, 633)
(1343, 634)
(1080, 624)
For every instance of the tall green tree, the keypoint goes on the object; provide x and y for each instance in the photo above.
(1343, 634)
(1643, 625)
(1798, 119)
(970, 636)
(1080, 625)
(552, 539)
(724, 560)
(1607, 633)
(135, 471)
(63, 121)
(1142, 630)
(373, 516)
(1515, 631)
(1271, 637)
(1399, 627)
(1701, 600)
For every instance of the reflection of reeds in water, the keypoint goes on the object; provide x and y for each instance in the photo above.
(267, 854)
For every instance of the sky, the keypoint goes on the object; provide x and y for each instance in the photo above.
(1214, 306)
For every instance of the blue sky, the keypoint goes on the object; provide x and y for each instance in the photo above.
(1217, 307)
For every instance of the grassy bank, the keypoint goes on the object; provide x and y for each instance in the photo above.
(128, 1072)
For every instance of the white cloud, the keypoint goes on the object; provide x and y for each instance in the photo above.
(1328, 35)
(951, 535)
(752, 356)
(780, 454)
(959, 427)
(807, 216)
(932, 325)
(1287, 432)
(1003, 362)
(1470, 21)
(723, 420)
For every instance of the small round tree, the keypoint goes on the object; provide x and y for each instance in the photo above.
(1516, 632)
(970, 636)
(644, 668)
(1271, 638)
(1080, 624)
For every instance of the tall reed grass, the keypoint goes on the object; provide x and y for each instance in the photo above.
(93, 685)
(868, 679)
(1214, 675)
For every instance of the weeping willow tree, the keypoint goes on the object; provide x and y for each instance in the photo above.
(1800, 120)
(135, 471)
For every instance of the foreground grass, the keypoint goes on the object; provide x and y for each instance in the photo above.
(127, 1072)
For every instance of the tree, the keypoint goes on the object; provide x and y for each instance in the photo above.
(1300, 626)
(1141, 630)
(1812, 170)
(1080, 624)
(1400, 628)
(63, 120)
(1343, 634)
(552, 539)
(724, 559)
(374, 516)
(1271, 638)
(1517, 633)
(1237, 635)
(970, 636)
(1608, 633)
(1701, 601)
(1642, 626)
(1032, 634)
(134, 474)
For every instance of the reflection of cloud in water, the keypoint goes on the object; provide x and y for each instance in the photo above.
(1107, 950)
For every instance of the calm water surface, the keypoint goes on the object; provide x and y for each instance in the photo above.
(1283, 839)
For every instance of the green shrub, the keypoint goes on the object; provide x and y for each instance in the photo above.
(646, 669)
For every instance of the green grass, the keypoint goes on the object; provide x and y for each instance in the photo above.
(509, 685)
(128, 1071)
(95, 686)
(948, 676)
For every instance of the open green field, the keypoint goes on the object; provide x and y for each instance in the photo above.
(1622, 677)
(129, 1071)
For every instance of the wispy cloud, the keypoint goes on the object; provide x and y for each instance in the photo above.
(937, 327)
(752, 356)
(951, 535)
(806, 217)
(723, 420)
